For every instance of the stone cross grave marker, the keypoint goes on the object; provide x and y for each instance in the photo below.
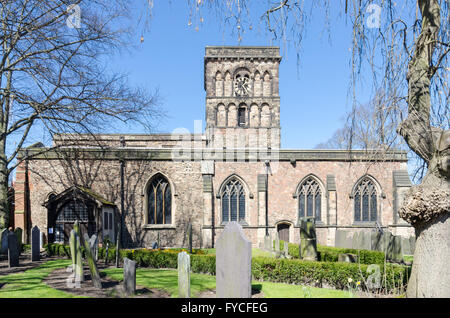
(13, 250)
(35, 244)
(233, 263)
(129, 276)
(308, 240)
(4, 241)
(184, 275)
(95, 276)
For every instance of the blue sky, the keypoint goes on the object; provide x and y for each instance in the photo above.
(314, 94)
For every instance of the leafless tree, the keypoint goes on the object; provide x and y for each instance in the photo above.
(404, 45)
(54, 75)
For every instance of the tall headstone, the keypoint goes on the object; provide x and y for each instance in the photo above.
(277, 245)
(394, 250)
(75, 252)
(129, 276)
(89, 251)
(356, 243)
(93, 243)
(340, 238)
(406, 247)
(35, 244)
(267, 243)
(19, 232)
(308, 240)
(366, 241)
(375, 238)
(4, 241)
(13, 250)
(286, 250)
(233, 263)
(184, 275)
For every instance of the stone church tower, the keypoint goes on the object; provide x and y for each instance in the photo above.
(242, 97)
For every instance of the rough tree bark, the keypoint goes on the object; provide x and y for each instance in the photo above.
(427, 206)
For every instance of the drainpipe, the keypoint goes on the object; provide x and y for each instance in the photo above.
(267, 163)
(122, 203)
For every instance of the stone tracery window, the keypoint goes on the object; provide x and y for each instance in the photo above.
(310, 199)
(159, 201)
(233, 201)
(365, 201)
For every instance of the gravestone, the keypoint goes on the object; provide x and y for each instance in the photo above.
(406, 247)
(366, 241)
(13, 250)
(184, 275)
(233, 263)
(385, 239)
(375, 238)
(286, 250)
(35, 244)
(308, 240)
(340, 238)
(4, 241)
(75, 252)
(277, 246)
(267, 243)
(89, 251)
(394, 250)
(129, 276)
(93, 243)
(347, 258)
(19, 232)
(357, 241)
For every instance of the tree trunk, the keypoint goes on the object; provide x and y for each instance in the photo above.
(427, 209)
(4, 199)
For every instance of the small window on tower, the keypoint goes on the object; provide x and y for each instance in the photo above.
(241, 117)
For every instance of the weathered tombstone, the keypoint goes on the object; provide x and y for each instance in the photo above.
(233, 263)
(93, 243)
(19, 232)
(4, 243)
(35, 244)
(267, 243)
(184, 275)
(394, 250)
(129, 276)
(277, 246)
(375, 238)
(13, 250)
(340, 238)
(356, 243)
(406, 247)
(286, 250)
(95, 276)
(308, 240)
(75, 252)
(347, 257)
(106, 253)
(366, 241)
(385, 239)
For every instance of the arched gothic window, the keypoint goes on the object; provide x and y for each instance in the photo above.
(159, 201)
(233, 201)
(310, 199)
(365, 201)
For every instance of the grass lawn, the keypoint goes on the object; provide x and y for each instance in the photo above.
(168, 281)
(29, 284)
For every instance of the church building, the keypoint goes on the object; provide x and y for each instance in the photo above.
(153, 186)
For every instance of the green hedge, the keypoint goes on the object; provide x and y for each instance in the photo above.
(294, 271)
(330, 254)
